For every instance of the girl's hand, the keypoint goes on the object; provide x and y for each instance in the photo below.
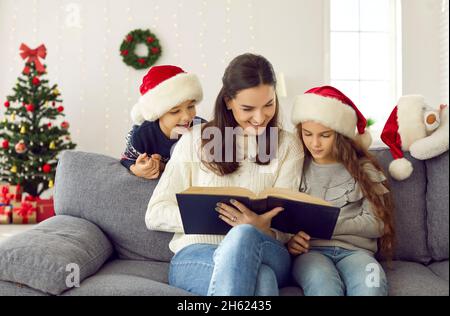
(299, 244)
(238, 214)
(161, 165)
(146, 167)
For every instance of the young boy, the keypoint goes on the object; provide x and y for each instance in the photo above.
(165, 110)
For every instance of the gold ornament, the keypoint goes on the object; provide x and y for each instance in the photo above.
(56, 92)
(52, 145)
(14, 169)
(13, 117)
(5, 120)
(23, 130)
(50, 184)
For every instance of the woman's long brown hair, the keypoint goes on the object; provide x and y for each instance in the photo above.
(244, 72)
(353, 157)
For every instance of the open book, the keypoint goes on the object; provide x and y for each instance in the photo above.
(302, 212)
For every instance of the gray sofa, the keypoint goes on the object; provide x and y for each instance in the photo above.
(100, 227)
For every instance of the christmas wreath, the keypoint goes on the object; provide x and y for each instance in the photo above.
(127, 49)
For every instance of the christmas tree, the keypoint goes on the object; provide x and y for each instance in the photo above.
(32, 132)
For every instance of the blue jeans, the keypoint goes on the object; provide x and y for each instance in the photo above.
(334, 271)
(246, 263)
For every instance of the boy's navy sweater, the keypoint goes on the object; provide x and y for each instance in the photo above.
(149, 138)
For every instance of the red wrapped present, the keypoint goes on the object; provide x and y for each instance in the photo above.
(10, 193)
(45, 207)
(5, 196)
(24, 212)
(5, 214)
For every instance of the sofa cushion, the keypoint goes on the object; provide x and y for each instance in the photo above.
(43, 257)
(437, 206)
(156, 271)
(99, 189)
(15, 289)
(123, 285)
(410, 210)
(414, 279)
(440, 269)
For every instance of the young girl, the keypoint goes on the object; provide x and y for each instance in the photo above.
(339, 169)
(165, 111)
(251, 259)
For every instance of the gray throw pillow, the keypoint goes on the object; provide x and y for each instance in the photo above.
(410, 209)
(437, 206)
(54, 256)
(99, 189)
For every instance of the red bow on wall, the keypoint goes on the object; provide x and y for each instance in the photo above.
(33, 55)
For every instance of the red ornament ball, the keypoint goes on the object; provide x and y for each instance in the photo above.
(46, 168)
(65, 125)
(49, 125)
(125, 52)
(35, 81)
(150, 39)
(30, 107)
(129, 38)
(7, 104)
(141, 60)
(5, 144)
(155, 50)
(60, 108)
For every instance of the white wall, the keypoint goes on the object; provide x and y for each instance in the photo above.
(421, 62)
(99, 89)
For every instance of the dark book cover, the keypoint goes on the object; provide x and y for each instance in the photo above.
(199, 216)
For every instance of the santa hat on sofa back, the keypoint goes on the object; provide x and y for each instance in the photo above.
(332, 108)
(404, 126)
(163, 88)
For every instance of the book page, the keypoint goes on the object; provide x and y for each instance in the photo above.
(235, 191)
(292, 195)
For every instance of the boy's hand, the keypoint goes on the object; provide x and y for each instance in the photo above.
(299, 244)
(146, 167)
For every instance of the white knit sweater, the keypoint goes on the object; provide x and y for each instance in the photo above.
(185, 169)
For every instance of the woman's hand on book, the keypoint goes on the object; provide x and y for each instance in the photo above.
(237, 214)
(299, 243)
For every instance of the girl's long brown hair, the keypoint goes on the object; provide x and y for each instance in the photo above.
(244, 72)
(353, 157)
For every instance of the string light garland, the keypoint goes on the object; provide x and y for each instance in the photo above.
(106, 95)
(226, 39)
(251, 19)
(202, 36)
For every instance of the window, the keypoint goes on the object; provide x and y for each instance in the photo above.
(443, 31)
(364, 55)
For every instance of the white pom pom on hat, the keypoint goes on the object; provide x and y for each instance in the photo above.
(404, 126)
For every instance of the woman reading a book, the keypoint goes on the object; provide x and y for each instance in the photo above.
(243, 146)
(339, 169)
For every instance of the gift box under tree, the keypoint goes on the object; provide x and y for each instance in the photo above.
(24, 212)
(5, 214)
(45, 208)
(10, 193)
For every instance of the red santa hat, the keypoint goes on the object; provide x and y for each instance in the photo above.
(330, 107)
(163, 88)
(404, 126)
